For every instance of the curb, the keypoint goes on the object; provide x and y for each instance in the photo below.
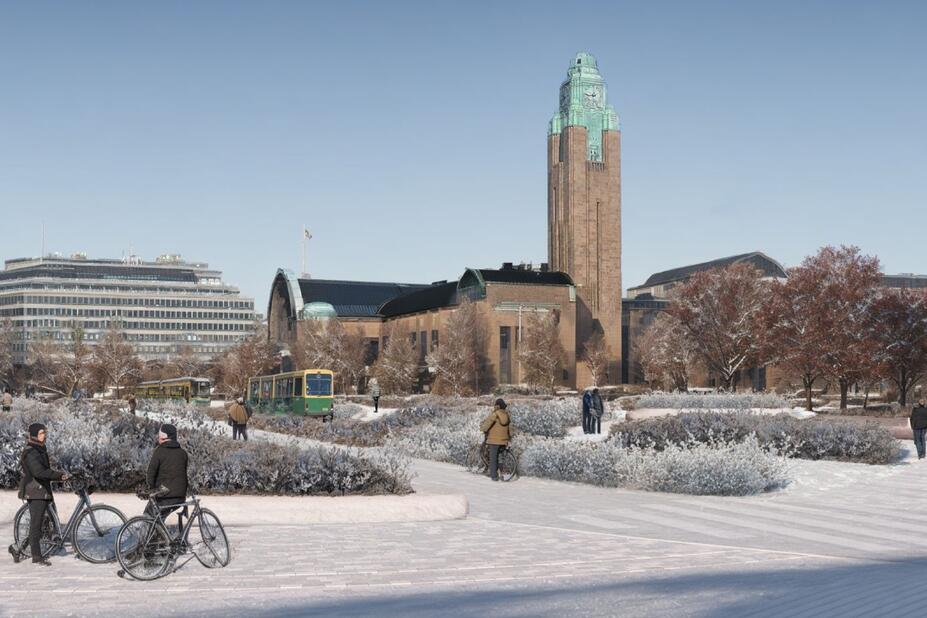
(282, 510)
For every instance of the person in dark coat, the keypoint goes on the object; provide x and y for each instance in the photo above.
(919, 426)
(596, 410)
(587, 407)
(168, 468)
(35, 487)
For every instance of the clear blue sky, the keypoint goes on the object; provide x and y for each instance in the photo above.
(410, 137)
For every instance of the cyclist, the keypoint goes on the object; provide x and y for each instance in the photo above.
(35, 486)
(168, 468)
(497, 427)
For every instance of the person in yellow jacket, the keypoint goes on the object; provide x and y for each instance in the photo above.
(238, 415)
(498, 429)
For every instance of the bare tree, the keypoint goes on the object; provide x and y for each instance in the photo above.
(183, 364)
(595, 357)
(114, 361)
(458, 361)
(396, 369)
(61, 367)
(6, 351)
(252, 357)
(718, 311)
(666, 354)
(540, 350)
(327, 344)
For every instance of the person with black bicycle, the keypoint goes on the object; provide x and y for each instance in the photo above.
(167, 468)
(35, 487)
(497, 427)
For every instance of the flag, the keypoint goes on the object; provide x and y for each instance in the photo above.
(306, 234)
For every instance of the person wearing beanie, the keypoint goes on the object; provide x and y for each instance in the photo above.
(497, 427)
(238, 417)
(168, 469)
(35, 487)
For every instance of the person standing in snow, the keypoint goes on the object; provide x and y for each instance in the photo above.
(130, 399)
(596, 410)
(375, 393)
(919, 426)
(168, 469)
(238, 414)
(497, 427)
(7, 400)
(587, 406)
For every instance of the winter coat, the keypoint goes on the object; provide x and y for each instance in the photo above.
(37, 473)
(168, 467)
(374, 389)
(497, 427)
(7, 400)
(595, 405)
(238, 414)
(919, 417)
(587, 402)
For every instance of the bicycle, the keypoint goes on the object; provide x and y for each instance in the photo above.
(91, 529)
(147, 550)
(478, 461)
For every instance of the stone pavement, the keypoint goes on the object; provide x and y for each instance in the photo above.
(845, 541)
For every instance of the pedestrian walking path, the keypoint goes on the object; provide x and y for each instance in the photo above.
(842, 541)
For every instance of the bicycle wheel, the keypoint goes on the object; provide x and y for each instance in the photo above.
(211, 547)
(50, 528)
(508, 465)
(143, 548)
(475, 462)
(95, 533)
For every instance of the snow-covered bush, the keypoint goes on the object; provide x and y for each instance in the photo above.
(711, 401)
(722, 468)
(805, 439)
(114, 448)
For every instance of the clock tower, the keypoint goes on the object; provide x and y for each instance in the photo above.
(584, 208)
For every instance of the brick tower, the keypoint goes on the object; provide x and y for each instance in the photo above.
(584, 207)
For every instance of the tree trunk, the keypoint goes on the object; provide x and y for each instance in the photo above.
(903, 388)
(844, 388)
(808, 382)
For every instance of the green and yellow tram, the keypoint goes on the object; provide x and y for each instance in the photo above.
(307, 392)
(189, 389)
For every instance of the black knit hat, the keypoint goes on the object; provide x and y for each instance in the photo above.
(169, 430)
(500, 403)
(35, 428)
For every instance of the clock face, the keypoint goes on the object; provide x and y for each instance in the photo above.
(593, 97)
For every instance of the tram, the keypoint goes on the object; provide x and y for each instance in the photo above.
(189, 389)
(308, 392)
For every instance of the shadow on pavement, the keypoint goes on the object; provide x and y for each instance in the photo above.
(887, 588)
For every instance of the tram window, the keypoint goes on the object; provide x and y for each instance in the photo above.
(319, 385)
(298, 385)
(254, 389)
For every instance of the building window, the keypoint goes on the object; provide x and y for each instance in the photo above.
(505, 354)
(434, 340)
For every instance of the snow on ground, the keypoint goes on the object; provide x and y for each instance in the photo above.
(576, 433)
(813, 476)
(367, 414)
(642, 413)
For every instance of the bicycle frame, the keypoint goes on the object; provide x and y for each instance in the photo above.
(179, 543)
(82, 503)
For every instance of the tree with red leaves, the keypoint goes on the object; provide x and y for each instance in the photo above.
(848, 282)
(794, 328)
(718, 311)
(898, 327)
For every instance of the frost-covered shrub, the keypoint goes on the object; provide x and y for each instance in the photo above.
(805, 439)
(114, 448)
(711, 401)
(723, 468)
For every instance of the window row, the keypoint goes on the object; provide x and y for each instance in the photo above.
(149, 301)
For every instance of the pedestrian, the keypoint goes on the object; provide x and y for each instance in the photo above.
(167, 472)
(7, 400)
(130, 399)
(596, 410)
(35, 487)
(238, 416)
(375, 393)
(498, 430)
(919, 425)
(587, 405)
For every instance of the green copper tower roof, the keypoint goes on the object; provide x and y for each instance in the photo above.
(584, 103)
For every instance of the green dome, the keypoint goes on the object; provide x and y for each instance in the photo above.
(318, 311)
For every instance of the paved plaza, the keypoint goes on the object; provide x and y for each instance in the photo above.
(844, 540)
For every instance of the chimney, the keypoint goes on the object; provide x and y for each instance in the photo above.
(508, 266)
